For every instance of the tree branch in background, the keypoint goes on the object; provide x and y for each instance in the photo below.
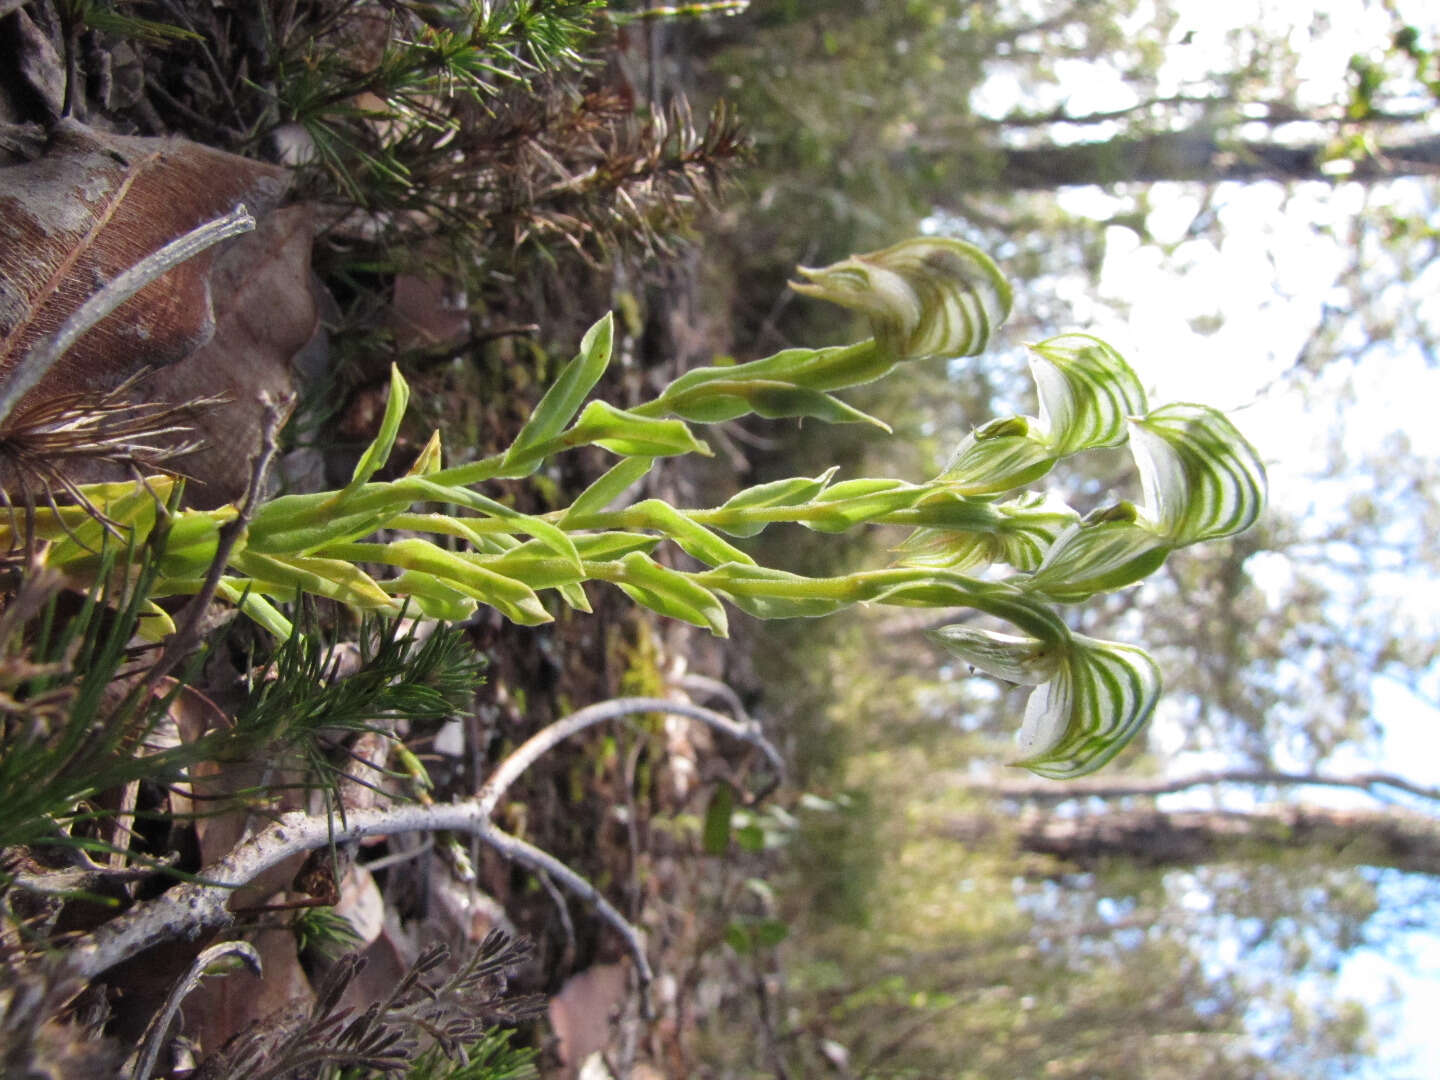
(1040, 792)
(1393, 839)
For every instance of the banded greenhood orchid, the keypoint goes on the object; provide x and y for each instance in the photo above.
(1200, 480)
(929, 296)
(429, 541)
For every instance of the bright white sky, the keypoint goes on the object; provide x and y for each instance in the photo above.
(1269, 279)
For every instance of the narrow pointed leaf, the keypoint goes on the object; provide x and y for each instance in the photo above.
(549, 534)
(430, 459)
(513, 599)
(632, 435)
(574, 597)
(434, 599)
(334, 579)
(669, 593)
(378, 452)
(726, 399)
(767, 593)
(696, 540)
(569, 391)
(789, 492)
(609, 487)
(255, 606)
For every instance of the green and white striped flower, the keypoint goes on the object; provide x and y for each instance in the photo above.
(930, 296)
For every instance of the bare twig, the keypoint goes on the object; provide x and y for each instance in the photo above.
(538, 744)
(91, 879)
(187, 634)
(703, 684)
(567, 924)
(192, 908)
(154, 1037)
(43, 356)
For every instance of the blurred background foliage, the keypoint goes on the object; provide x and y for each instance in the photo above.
(936, 932)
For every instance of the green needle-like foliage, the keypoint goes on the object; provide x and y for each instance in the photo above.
(927, 297)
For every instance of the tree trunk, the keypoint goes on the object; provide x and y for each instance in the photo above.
(1195, 155)
(1395, 839)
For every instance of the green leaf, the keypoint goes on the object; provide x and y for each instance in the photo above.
(609, 487)
(334, 579)
(773, 594)
(632, 435)
(718, 400)
(738, 938)
(378, 452)
(513, 599)
(789, 492)
(1201, 479)
(715, 839)
(434, 599)
(768, 933)
(1087, 393)
(264, 613)
(751, 838)
(846, 504)
(696, 540)
(667, 592)
(554, 537)
(834, 368)
(574, 597)
(564, 398)
(1097, 702)
(537, 565)
(1018, 659)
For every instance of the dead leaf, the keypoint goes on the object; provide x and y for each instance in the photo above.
(580, 1014)
(265, 312)
(361, 904)
(95, 204)
(426, 312)
(35, 88)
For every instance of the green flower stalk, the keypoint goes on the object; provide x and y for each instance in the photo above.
(927, 297)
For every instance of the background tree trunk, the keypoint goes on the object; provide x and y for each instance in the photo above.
(1197, 154)
(1396, 839)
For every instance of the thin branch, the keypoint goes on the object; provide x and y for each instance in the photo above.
(546, 739)
(188, 636)
(1122, 789)
(192, 908)
(94, 879)
(539, 860)
(44, 355)
(703, 684)
(154, 1037)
